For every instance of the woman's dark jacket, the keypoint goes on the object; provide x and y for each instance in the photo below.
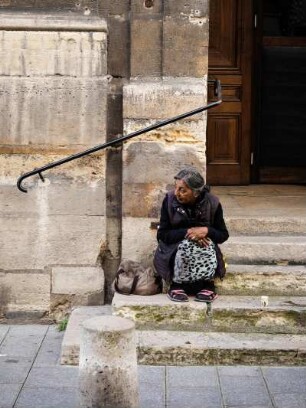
(177, 218)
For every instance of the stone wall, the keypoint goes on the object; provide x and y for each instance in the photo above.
(53, 81)
(58, 99)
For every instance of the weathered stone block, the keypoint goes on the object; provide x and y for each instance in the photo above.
(87, 171)
(51, 20)
(191, 9)
(61, 306)
(49, 240)
(150, 195)
(24, 291)
(17, 3)
(77, 279)
(39, 228)
(132, 229)
(113, 7)
(63, 198)
(73, 286)
(54, 111)
(185, 47)
(163, 100)
(182, 131)
(166, 160)
(146, 7)
(36, 53)
(146, 47)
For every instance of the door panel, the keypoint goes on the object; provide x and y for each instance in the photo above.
(229, 129)
(223, 48)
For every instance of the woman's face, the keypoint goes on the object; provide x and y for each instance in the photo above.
(183, 193)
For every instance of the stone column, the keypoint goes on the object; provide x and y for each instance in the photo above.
(169, 66)
(108, 364)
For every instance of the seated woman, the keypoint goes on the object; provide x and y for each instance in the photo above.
(191, 224)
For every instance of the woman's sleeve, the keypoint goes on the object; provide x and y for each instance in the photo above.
(166, 232)
(218, 232)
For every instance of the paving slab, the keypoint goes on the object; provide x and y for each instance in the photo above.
(198, 385)
(50, 350)
(250, 391)
(48, 398)
(27, 348)
(152, 374)
(28, 331)
(235, 371)
(151, 395)
(3, 332)
(32, 336)
(51, 377)
(292, 400)
(289, 379)
(192, 377)
(12, 371)
(9, 394)
(160, 386)
(195, 397)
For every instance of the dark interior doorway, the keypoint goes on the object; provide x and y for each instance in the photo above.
(280, 89)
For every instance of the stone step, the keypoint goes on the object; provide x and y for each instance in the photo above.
(257, 280)
(71, 341)
(227, 313)
(195, 348)
(265, 225)
(265, 249)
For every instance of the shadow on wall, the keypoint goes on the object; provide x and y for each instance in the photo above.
(4, 299)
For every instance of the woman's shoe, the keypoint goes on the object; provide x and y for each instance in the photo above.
(205, 295)
(177, 295)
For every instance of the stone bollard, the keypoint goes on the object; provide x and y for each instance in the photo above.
(108, 364)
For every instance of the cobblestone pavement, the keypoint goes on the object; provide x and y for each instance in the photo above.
(31, 377)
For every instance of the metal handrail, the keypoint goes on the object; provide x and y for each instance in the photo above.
(217, 92)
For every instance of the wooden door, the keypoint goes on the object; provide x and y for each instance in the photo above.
(230, 60)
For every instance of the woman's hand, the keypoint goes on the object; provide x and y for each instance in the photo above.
(198, 234)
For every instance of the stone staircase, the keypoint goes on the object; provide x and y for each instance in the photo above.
(266, 258)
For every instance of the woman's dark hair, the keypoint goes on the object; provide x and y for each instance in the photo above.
(192, 178)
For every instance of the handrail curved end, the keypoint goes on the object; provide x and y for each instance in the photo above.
(20, 187)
